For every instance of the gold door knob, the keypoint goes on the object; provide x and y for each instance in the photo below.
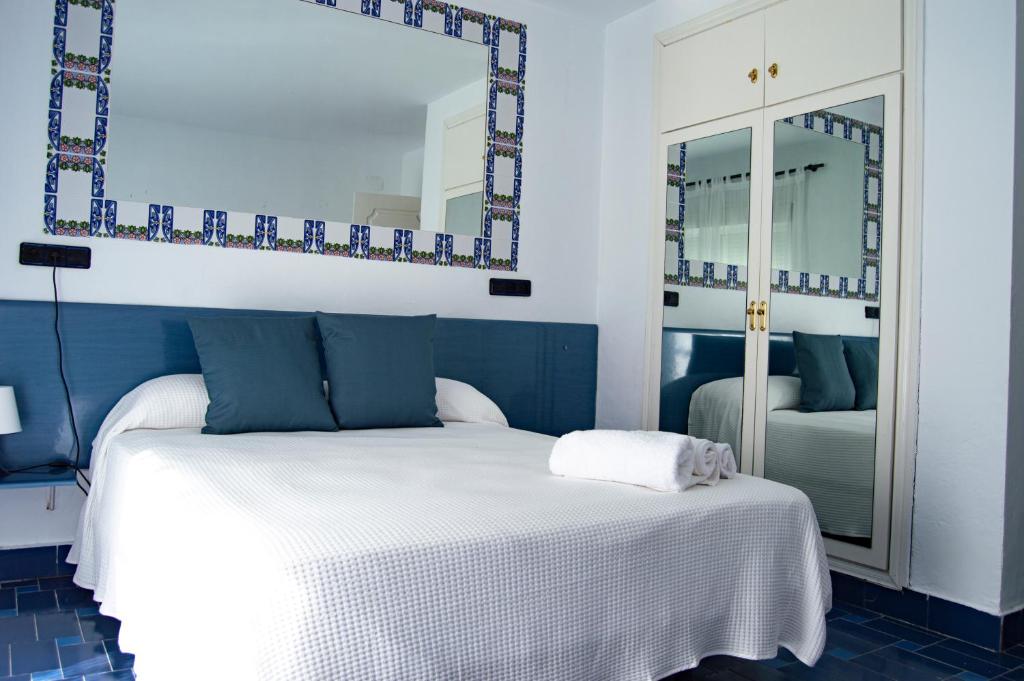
(752, 75)
(773, 70)
(762, 312)
(750, 315)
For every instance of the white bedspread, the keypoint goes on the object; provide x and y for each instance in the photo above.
(435, 554)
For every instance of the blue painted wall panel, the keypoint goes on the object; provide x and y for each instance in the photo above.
(542, 375)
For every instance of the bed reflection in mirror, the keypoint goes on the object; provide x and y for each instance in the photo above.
(707, 225)
(823, 385)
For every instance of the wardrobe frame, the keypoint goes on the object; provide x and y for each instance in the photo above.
(897, 574)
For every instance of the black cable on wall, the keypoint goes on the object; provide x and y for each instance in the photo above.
(72, 463)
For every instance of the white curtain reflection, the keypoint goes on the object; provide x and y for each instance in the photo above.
(717, 212)
(791, 239)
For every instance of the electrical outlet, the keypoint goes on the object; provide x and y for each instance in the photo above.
(55, 255)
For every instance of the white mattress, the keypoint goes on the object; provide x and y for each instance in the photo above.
(435, 554)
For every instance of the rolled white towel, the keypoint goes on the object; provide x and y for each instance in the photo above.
(707, 462)
(660, 461)
(727, 460)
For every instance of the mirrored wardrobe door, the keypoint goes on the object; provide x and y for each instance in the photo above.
(711, 222)
(827, 370)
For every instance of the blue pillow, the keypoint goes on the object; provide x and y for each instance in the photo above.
(380, 370)
(262, 374)
(862, 361)
(825, 383)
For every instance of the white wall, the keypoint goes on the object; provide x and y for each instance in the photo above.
(625, 216)
(157, 161)
(1013, 542)
(965, 323)
(412, 173)
(835, 205)
(559, 213)
(958, 531)
(704, 308)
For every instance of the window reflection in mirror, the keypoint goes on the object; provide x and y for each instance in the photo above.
(718, 198)
(291, 109)
(823, 354)
(818, 197)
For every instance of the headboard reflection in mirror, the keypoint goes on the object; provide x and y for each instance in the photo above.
(354, 128)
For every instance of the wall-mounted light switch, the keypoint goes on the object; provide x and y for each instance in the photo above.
(519, 288)
(55, 255)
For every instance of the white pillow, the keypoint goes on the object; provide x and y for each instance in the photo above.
(176, 401)
(783, 392)
(457, 401)
(180, 401)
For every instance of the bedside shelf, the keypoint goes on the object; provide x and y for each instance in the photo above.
(57, 478)
(49, 479)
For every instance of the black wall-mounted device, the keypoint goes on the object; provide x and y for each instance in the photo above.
(671, 298)
(55, 255)
(872, 312)
(518, 288)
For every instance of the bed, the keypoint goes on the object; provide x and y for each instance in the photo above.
(829, 455)
(431, 553)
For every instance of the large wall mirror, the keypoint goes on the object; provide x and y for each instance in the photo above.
(278, 107)
(386, 130)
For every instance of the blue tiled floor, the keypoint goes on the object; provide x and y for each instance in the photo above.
(864, 646)
(50, 629)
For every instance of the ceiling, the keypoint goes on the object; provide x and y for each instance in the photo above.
(283, 69)
(605, 10)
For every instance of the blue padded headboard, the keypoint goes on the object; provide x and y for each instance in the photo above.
(692, 357)
(542, 375)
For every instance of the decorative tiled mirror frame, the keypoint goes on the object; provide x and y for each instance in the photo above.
(76, 203)
(683, 272)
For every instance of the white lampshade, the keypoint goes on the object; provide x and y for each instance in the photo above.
(9, 421)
